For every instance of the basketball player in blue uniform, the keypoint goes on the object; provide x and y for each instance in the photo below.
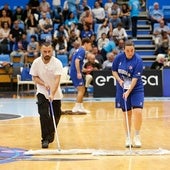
(127, 68)
(77, 76)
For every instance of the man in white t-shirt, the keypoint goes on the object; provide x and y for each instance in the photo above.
(46, 71)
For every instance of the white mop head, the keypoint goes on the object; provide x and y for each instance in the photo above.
(144, 152)
(59, 152)
(96, 152)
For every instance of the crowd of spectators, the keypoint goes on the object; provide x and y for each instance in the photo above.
(160, 31)
(23, 29)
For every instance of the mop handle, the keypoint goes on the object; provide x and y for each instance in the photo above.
(55, 126)
(127, 123)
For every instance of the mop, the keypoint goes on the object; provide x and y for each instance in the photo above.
(58, 151)
(130, 152)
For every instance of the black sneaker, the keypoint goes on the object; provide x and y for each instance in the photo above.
(51, 137)
(45, 143)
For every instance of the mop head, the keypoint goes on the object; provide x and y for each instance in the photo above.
(59, 152)
(95, 152)
(69, 112)
(144, 152)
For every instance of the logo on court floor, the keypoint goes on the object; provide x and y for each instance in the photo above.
(8, 155)
(11, 154)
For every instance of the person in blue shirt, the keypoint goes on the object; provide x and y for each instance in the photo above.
(110, 46)
(127, 69)
(156, 15)
(72, 6)
(71, 19)
(86, 32)
(134, 6)
(76, 74)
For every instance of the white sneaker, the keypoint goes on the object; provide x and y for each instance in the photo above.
(137, 141)
(128, 142)
(75, 109)
(82, 109)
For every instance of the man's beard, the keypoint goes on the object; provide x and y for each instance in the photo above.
(47, 58)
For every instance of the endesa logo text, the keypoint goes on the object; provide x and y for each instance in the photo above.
(102, 80)
(152, 80)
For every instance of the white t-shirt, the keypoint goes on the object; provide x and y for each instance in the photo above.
(47, 73)
(99, 13)
(56, 2)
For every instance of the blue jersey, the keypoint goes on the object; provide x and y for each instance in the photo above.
(135, 7)
(128, 69)
(79, 54)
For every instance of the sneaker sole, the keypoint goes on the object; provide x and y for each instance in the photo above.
(137, 146)
(129, 146)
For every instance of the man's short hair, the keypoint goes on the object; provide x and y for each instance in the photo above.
(129, 43)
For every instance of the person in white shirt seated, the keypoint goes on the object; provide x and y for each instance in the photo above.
(98, 13)
(119, 33)
(107, 7)
(157, 32)
(107, 64)
(102, 41)
(91, 64)
(103, 28)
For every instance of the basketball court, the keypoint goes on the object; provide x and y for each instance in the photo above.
(102, 129)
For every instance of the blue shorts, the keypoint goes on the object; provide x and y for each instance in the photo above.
(134, 100)
(77, 82)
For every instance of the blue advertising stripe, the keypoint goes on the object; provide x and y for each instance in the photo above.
(166, 82)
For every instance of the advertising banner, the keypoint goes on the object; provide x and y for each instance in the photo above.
(104, 83)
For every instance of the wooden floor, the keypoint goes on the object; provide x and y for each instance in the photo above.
(101, 129)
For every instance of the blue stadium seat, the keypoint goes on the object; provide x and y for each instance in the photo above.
(156, 25)
(166, 12)
(63, 58)
(15, 7)
(21, 25)
(4, 58)
(96, 26)
(29, 36)
(45, 37)
(169, 25)
(150, 9)
(55, 26)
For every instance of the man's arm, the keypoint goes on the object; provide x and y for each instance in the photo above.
(55, 87)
